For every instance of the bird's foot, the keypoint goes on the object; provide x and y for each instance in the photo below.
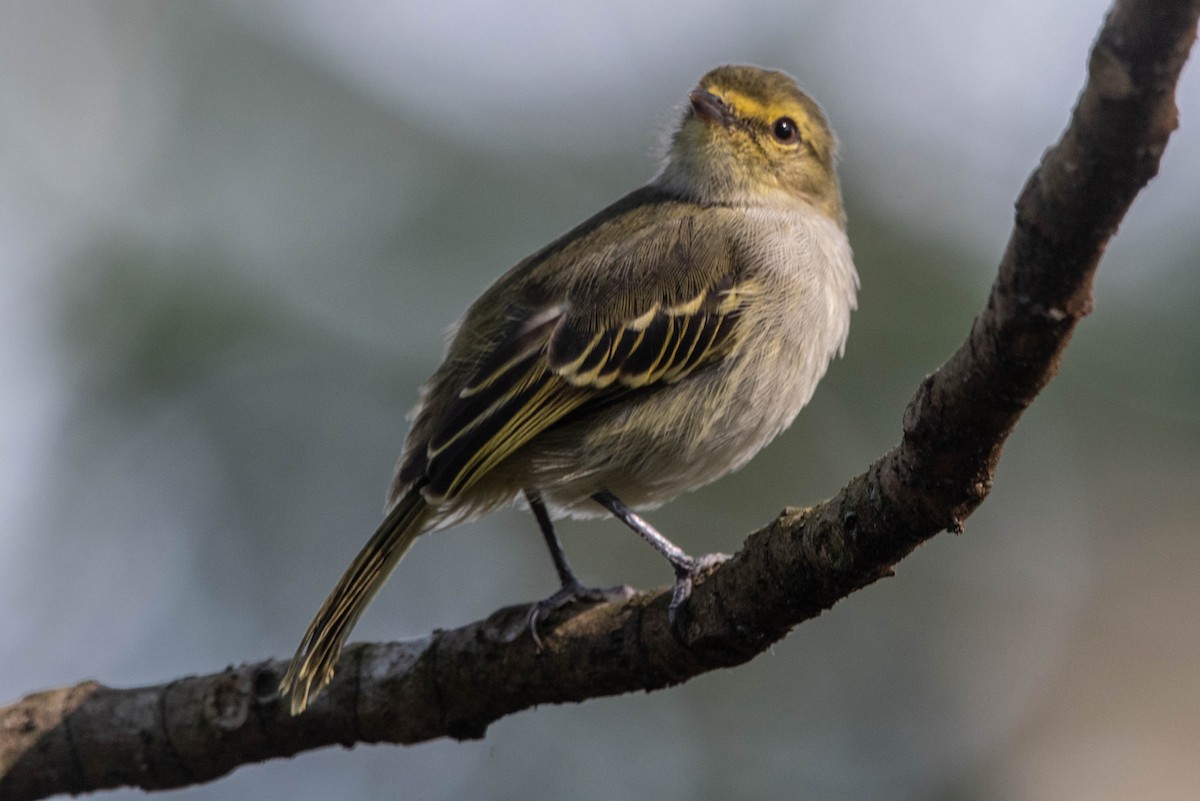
(567, 594)
(686, 572)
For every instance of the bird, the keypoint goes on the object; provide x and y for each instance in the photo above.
(648, 351)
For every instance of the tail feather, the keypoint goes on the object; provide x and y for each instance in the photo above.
(313, 665)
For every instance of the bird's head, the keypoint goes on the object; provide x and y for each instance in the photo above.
(751, 136)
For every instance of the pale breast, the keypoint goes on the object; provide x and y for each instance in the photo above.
(651, 449)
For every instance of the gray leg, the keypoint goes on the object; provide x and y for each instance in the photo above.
(571, 589)
(566, 576)
(686, 567)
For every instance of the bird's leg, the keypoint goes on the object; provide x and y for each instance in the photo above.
(686, 567)
(571, 589)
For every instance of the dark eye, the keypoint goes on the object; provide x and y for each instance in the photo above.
(785, 131)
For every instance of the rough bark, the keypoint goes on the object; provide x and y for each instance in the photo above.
(455, 683)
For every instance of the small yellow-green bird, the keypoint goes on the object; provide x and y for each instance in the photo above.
(650, 350)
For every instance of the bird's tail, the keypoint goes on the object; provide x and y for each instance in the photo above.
(313, 665)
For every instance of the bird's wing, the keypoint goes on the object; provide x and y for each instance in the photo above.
(647, 313)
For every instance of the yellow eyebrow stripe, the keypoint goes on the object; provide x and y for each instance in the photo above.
(751, 108)
(744, 105)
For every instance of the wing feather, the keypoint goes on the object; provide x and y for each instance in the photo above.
(590, 345)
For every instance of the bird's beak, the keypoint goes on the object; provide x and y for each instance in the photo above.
(708, 106)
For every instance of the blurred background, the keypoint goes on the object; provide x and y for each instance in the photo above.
(232, 235)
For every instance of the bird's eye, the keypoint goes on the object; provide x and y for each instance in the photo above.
(785, 131)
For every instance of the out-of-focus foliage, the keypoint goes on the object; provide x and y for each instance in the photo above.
(231, 236)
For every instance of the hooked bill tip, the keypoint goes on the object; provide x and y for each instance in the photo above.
(709, 107)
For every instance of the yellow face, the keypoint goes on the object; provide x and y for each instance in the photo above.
(750, 133)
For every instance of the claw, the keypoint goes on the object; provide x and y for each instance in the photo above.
(567, 594)
(686, 573)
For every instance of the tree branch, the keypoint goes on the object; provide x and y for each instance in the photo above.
(455, 683)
